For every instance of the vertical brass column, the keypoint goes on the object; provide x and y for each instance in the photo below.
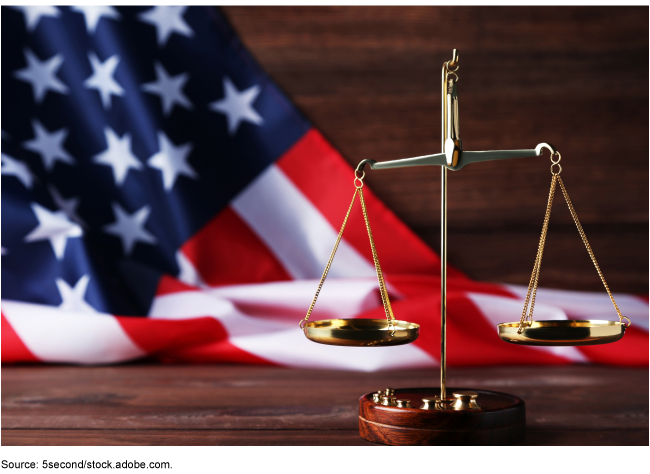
(443, 249)
(443, 284)
(443, 233)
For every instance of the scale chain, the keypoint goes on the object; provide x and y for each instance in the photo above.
(591, 253)
(534, 278)
(329, 262)
(527, 313)
(380, 276)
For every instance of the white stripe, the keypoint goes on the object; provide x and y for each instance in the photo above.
(263, 320)
(293, 349)
(501, 309)
(187, 272)
(294, 229)
(339, 297)
(55, 335)
(589, 305)
(282, 301)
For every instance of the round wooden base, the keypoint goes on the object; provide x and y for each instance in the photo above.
(501, 420)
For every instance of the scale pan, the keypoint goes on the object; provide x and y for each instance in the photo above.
(361, 332)
(563, 332)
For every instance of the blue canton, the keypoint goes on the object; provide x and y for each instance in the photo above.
(124, 131)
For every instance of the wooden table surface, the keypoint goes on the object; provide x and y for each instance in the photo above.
(256, 405)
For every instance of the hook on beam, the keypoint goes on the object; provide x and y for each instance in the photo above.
(363, 163)
(454, 59)
(541, 146)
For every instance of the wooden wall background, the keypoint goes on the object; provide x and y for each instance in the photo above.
(577, 77)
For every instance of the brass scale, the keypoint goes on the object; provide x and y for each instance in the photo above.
(392, 331)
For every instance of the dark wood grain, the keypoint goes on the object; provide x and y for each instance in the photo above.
(577, 77)
(161, 404)
(183, 438)
(404, 436)
(286, 438)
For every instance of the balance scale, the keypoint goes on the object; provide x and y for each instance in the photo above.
(444, 415)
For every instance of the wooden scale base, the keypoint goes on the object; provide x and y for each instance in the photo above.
(501, 420)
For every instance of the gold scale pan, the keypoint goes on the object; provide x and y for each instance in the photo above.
(392, 332)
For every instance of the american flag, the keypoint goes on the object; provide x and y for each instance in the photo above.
(162, 198)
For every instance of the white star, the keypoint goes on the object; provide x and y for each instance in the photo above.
(169, 89)
(4, 251)
(33, 13)
(102, 78)
(13, 167)
(130, 227)
(93, 13)
(172, 161)
(73, 298)
(49, 145)
(167, 20)
(69, 206)
(41, 75)
(237, 106)
(118, 155)
(53, 226)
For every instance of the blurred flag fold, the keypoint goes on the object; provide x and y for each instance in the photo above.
(162, 198)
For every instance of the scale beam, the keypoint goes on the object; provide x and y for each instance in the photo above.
(465, 158)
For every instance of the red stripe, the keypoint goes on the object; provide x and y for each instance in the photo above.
(631, 351)
(195, 340)
(220, 351)
(326, 179)
(155, 335)
(13, 349)
(169, 284)
(227, 252)
(411, 286)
